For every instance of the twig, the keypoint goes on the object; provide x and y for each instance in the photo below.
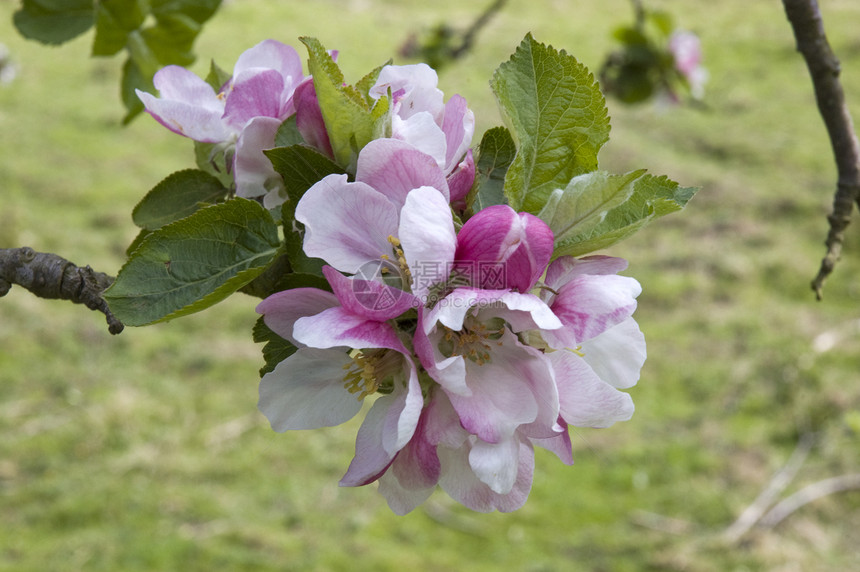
(780, 480)
(50, 276)
(808, 494)
(470, 34)
(824, 68)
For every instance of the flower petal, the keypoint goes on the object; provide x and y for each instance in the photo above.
(252, 170)
(306, 391)
(356, 226)
(187, 106)
(458, 125)
(309, 119)
(394, 168)
(428, 238)
(460, 482)
(413, 88)
(565, 268)
(617, 355)
(273, 55)
(521, 311)
(282, 309)
(421, 131)
(586, 400)
(254, 93)
(588, 305)
(461, 179)
(367, 298)
(337, 327)
(496, 464)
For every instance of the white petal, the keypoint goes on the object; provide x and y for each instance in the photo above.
(428, 238)
(617, 355)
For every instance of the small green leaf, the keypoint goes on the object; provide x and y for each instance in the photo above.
(557, 116)
(176, 197)
(350, 119)
(652, 197)
(288, 133)
(216, 159)
(585, 202)
(193, 263)
(217, 76)
(301, 167)
(276, 350)
(132, 79)
(54, 21)
(495, 155)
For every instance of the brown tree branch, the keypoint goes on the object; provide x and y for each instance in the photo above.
(808, 494)
(50, 276)
(824, 68)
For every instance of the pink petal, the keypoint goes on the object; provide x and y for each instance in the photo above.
(395, 167)
(413, 87)
(617, 355)
(428, 238)
(559, 444)
(461, 179)
(336, 327)
(586, 400)
(588, 305)
(521, 311)
(271, 54)
(254, 93)
(309, 119)
(462, 485)
(402, 499)
(421, 131)
(517, 246)
(356, 226)
(565, 268)
(496, 464)
(306, 391)
(187, 106)
(253, 171)
(281, 310)
(369, 299)
(458, 125)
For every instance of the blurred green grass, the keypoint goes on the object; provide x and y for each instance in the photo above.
(145, 451)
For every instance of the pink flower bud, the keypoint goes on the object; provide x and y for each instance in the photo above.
(500, 249)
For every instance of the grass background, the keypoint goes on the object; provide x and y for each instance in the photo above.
(145, 451)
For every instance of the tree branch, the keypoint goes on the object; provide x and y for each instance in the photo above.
(808, 494)
(824, 68)
(50, 276)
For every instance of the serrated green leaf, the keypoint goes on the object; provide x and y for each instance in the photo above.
(585, 202)
(176, 197)
(194, 263)
(54, 21)
(350, 119)
(495, 155)
(368, 81)
(276, 350)
(301, 167)
(557, 116)
(137, 240)
(652, 197)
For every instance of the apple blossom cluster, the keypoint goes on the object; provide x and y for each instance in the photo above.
(468, 337)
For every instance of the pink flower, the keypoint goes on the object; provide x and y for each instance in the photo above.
(686, 49)
(246, 112)
(442, 130)
(326, 380)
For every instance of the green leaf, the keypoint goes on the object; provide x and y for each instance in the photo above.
(115, 20)
(350, 119)
(132, 79)
(217, 76)
(194, 263)
(276, 350)
(137, 240)
(176, 197)
(288, 133)
(301, 167)
(216, 159)
(585, 202)
(557, 116)
(495, 155)
(652, 197)
(54, 21)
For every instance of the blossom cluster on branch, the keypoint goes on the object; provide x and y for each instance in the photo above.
(441, 285)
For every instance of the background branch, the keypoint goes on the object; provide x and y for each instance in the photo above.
(50, 276)
(824, 68)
